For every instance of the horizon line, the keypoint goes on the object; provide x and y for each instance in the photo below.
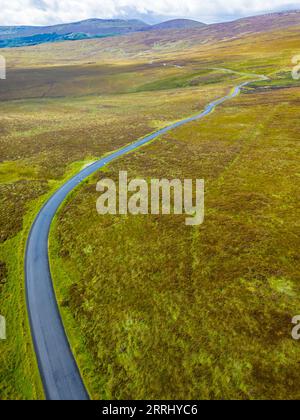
(224, 19)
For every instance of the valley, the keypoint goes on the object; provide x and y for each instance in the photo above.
(154, 309)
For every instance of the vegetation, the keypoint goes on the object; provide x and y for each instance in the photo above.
(154, 309)
(43, 142)
(172, 312)
(45, 38)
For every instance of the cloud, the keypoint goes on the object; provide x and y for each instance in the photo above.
(44, 12)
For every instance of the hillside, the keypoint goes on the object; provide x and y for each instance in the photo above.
(178, 24)
(187, 30)
(91, 28)
(255, 24)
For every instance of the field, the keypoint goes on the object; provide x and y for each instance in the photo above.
(154, 309)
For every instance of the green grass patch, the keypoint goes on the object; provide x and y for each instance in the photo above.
(201, 78)
(19, 375)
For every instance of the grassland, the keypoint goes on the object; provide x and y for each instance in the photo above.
(43, 141)
(154, 309)
(169, 312)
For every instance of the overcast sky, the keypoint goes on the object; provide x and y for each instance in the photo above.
(43, 12)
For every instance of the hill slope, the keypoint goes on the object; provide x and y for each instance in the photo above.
(143, 34)
(29, 35)
(89, 27)
(256, 24)
(178, 24)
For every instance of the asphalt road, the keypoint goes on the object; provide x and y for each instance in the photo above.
(59, 371)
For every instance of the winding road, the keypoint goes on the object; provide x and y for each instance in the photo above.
(58, 369)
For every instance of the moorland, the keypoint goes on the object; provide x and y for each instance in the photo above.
(152, 308)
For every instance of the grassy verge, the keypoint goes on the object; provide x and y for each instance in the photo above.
(19, 376)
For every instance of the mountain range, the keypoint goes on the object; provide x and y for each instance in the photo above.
(20, 36)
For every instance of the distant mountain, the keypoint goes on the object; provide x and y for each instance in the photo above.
(88, 28)
(271, 20)
(19, 36)
(173, 30)
(178, 24)
(227, 30)
(28, 41)
(257, 24)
